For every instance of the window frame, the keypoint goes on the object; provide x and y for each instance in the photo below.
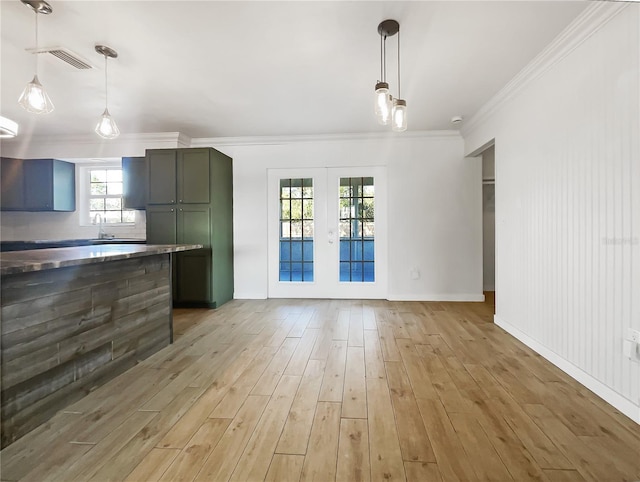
(85, 196)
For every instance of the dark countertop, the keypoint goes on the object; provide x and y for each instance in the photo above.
(14, 262)
(21, 245)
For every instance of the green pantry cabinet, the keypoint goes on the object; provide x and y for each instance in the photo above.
(190, 200)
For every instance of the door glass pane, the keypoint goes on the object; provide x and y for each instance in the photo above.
(357, 229)
(296, 230)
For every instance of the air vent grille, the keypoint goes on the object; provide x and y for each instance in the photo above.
(66, 55)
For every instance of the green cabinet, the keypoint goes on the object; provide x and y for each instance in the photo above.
(179, 176)
(191, 202)
(134, 182)
(38, 185)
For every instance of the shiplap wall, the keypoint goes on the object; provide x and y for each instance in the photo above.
(568, 208)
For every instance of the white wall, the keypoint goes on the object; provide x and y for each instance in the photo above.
(435, 219)
(567, 142)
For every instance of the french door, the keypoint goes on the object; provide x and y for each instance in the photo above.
(327, 233)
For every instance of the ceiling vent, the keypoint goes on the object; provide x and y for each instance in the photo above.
(66, 55)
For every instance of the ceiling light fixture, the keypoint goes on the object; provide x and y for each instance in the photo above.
(8, 128)
(388, 109)
(34, 98)
(106, 127)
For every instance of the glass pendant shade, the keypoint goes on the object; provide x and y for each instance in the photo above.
(34, 98)
(383, 103)
(107, 127)
(399, 116)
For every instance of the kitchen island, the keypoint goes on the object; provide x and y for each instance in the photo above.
(73, 318)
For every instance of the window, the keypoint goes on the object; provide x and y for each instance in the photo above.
(357, 229)
(296, 230)
(105, 196)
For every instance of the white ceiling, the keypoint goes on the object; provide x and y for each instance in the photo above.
(227, 69)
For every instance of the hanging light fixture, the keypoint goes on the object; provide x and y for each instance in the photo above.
(106, 127)
(8, 128)
(399, 112)
(388, 109)
(34, 98)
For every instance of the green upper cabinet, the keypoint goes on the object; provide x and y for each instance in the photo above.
(46, 185)
(161, 169)
(134, 182)
(178, 176)
(193, 176)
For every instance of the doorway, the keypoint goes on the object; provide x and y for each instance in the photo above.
(327, 233)
(489, 225)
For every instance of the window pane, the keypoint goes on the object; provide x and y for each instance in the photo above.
(296, 209)
(99, 175)
(114, 188)
(114, 175)
(98, 188)
(285, 209)
(96, 204)
(296, 229)
(113, 203)
(296, 192)
(307, 229)
(285, 231)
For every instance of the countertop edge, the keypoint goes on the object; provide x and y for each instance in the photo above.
(16, 262)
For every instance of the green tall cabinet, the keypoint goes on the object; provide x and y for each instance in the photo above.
(190, 201)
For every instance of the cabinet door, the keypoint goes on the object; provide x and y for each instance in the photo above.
(161, 168)
(64, 185)
(134, 182)
(193, 176)
(194, 224)
(193, 280)
(161, 225)
(38, 184)
(12, 184)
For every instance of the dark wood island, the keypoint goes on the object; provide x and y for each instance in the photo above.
(73, 318)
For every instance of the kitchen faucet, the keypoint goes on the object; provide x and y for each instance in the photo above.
(101, 233)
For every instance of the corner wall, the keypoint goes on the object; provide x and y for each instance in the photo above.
(567, 142)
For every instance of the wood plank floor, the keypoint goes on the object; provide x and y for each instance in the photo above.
(328, 390)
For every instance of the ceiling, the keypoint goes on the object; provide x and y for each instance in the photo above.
(238, 68)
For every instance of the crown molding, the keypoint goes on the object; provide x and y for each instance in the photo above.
(170, 137)
(281, 140)
(584, 26)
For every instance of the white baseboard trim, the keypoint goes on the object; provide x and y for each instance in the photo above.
(249, 296)
(610, 396)
(437, 297)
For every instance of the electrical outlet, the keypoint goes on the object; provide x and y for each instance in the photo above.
(633, 335)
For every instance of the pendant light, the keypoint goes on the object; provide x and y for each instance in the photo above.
(34, 98)
(399, 112)
(383, 100)
(106, 127)
(387, 109)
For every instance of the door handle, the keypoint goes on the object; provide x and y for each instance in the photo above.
(330, 236)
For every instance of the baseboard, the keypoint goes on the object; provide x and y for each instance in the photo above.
(610, 396)
(249, 296)
(437, 297)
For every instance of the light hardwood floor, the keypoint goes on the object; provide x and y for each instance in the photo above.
(326, 390)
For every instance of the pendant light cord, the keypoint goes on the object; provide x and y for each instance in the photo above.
(381, 60)
(36, 13)
(399, 96)
(384, 75)
(106, 88)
